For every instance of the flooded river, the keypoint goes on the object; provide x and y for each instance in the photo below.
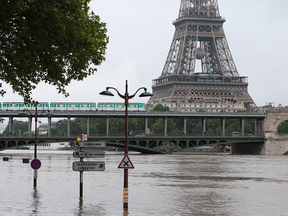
(203, 185)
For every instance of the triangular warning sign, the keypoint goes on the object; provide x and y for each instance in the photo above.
(126, 163)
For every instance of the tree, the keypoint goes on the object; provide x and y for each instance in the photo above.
(160, 108)
(17, 127)
(283, 127)
(52, 41)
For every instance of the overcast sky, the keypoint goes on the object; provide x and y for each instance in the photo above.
(141, 33)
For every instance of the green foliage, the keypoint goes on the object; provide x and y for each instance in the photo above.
(210, 132)
(201, 110)
(160, 108)
(242, 111)
(283, 127)
(52, 41)
(17, 127)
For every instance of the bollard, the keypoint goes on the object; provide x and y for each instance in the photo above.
(25, 160)
(5, 158)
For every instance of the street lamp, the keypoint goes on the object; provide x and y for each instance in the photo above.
(126, 98)
(36, 115)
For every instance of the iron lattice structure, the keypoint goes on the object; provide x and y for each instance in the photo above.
(199, 24)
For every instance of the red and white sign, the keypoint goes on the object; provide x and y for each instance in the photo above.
(84, 137)
(126, 163)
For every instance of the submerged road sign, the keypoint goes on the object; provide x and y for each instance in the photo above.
(126, 163)
(88, 154)
(89, 144)
(89, 166)
(35, 164)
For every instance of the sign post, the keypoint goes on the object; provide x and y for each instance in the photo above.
(35, 164)
(82, 166)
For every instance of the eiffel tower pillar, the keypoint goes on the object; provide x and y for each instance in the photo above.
(199, 25)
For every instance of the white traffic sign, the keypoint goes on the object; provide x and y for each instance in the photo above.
(35, 173)
(89, 144)
(88, 154)
(126, 163)
(89, 166)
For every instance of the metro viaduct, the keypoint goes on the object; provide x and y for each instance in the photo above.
(148, 144)
(259, 117)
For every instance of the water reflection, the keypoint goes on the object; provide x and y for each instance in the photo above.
(36, 201)
(125, 212)
(85, 207)
(80, 209)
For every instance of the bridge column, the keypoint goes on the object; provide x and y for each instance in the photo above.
(88, 124)
(185, 126)
(146, 124)
(49, 126)
(68, 126)
(259, 126)
(203, 126)
(30, 124)
(223, 127)
(242, 127)
(107, 126)
(10, 125)
(165, 126)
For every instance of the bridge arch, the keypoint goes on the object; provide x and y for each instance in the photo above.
(282, 127)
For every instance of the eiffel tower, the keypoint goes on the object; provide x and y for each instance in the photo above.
(199, 25)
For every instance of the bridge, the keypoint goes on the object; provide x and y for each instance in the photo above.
(265, 141)
(144, 115)
(146, 145)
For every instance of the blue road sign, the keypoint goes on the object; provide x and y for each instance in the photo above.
(35, 164)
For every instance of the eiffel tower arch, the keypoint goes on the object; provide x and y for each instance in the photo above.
(199, 25)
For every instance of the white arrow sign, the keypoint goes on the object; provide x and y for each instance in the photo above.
(88, 154)
(89, 166)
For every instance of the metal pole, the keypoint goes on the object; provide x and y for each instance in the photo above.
(35, 147)
(125, 191)
(81, 177)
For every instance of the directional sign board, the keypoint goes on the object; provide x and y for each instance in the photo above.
(89, 144)
(88, 154)
(35, 164)
(89, 166)
(126, 163)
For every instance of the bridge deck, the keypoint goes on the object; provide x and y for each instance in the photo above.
(146, 145)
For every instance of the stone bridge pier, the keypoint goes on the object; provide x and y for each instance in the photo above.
(275, 144)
